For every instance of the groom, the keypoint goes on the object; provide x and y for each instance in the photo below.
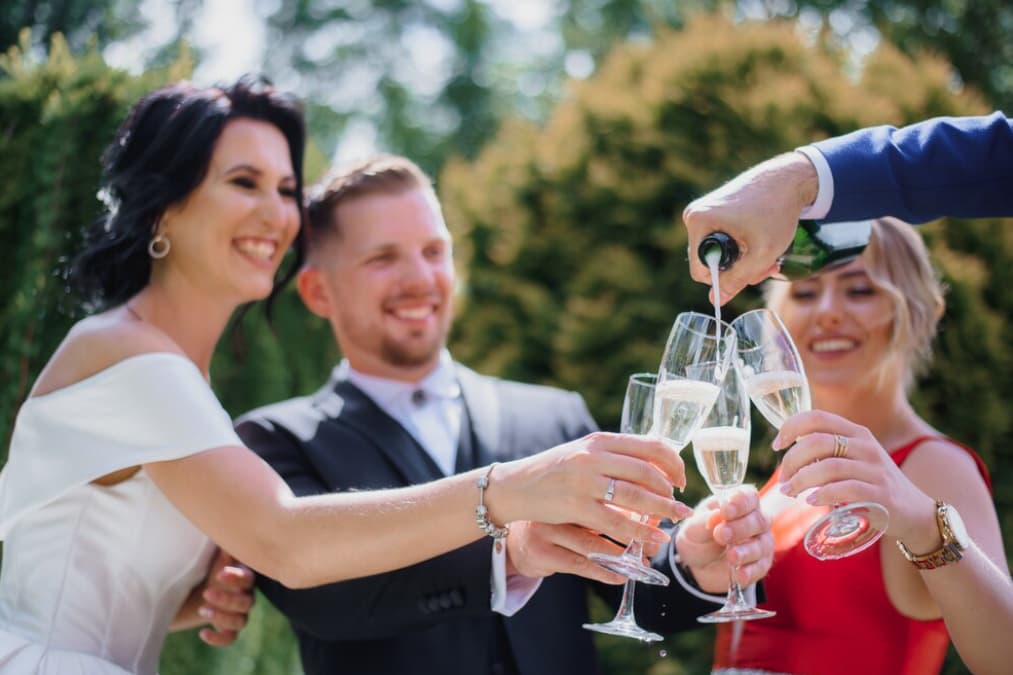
(397, 411)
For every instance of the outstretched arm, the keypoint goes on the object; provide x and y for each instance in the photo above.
(234, 497)
(948, 166)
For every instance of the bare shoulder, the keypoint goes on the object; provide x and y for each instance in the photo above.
(96, 343)
(944, 467)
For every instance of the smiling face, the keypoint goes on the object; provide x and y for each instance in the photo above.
(385, 282)
(842, 323)
(229, 235)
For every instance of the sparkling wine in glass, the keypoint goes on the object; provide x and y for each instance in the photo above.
(697, 355)
(769, 363)
(638, 412)
(721, 451)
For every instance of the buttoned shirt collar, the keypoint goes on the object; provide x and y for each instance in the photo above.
(441, 383)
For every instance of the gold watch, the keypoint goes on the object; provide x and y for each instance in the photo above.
(955, 540)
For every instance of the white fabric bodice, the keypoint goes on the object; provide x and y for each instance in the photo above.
(93, 576)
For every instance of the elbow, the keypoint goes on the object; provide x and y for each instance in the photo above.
(288, 569)
(278, 552)
(293, 559)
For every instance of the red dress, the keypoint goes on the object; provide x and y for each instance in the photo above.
(833, 617)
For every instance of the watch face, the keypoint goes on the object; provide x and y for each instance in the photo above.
(956, 524)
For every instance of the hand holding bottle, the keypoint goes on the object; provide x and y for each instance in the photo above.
(759, 209)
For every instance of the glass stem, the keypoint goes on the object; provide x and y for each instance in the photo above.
(635, 549)
(736, 598)
(625, 613)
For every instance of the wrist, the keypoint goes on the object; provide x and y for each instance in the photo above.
(804, 178)
(501, 495)
(922, 533)
(497, 529)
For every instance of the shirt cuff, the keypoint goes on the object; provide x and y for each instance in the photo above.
(825, 184)
(673, 562)
(509, 594)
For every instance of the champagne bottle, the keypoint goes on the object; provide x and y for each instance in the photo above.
(816, 246)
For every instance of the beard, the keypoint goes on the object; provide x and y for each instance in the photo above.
(412, 354)
(410, 357)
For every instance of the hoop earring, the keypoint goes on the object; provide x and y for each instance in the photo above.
(159, 246)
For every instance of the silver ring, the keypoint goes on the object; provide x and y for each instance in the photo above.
(610, 493)
(840, 446)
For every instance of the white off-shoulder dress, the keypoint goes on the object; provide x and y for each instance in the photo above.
(93, 576)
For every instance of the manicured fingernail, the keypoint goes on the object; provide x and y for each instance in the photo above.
(659, 536)
(205, 612)
(683, 510)
(784, 488)
(811, 498)
(776, 445)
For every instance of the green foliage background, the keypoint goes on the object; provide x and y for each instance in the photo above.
(571, 256)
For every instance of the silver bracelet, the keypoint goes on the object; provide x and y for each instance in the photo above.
(482, 513)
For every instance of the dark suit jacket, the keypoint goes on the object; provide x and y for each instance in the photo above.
(947, 166)
(434, 617)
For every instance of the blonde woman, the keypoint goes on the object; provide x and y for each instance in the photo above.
(864, 332)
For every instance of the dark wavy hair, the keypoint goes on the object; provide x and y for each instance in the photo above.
(159, 155)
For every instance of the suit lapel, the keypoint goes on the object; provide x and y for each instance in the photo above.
(392, 440)
(482, 401)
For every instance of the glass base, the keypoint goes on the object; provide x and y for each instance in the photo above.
(624, 629)
(846, 530)
(726, 614)
(631, 568)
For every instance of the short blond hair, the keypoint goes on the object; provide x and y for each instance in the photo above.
(380, 174)
(897, 261)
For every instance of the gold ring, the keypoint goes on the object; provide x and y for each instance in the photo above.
(610, 493)
(840, 446)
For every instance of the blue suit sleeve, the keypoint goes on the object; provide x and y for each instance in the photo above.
(947, 166)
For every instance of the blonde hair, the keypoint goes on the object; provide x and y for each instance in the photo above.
(381, 174)
(898, 263)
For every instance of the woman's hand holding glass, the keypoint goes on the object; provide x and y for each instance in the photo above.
(862, 473)
(637, 418)
(771, 368)
(568, 484)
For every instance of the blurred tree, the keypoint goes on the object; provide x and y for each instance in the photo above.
(972, 36)
(79, 21)
(573, 260)
(432, 79)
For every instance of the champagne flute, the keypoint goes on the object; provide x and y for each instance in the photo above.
(637, 418)
(697, 355)
(698, 352)
(721, 451)
(770, 366)
(638, 413)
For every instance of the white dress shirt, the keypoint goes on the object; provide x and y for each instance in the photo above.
(825, 184)
(430, 410)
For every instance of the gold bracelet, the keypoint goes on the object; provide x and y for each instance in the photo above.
(482, 513)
